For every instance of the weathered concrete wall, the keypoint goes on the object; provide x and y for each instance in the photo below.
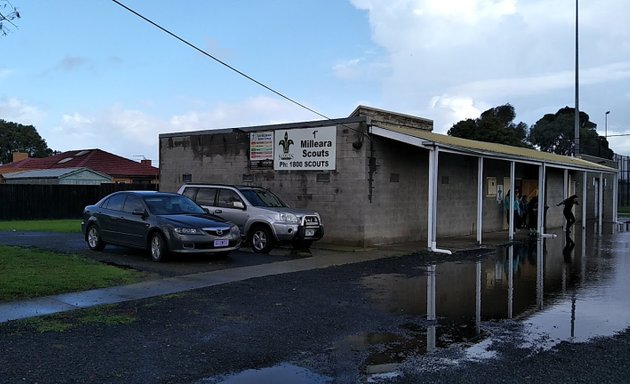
(378, 192)
(341, 196)
(398, 208)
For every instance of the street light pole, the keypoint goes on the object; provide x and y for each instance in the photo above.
(606, 124)
(577, 88)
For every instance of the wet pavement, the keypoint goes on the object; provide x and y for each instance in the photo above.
(560, 289)
(563, 289)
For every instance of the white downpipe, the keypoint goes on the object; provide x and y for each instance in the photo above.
(479, 200)
(433, 175)
(541, 200)
(584, 199)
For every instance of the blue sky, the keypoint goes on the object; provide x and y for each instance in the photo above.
(89, 74)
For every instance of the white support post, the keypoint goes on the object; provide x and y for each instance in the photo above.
(565, 193)
(600, 209)
(615, 206)
(479, 199)
(584, 199)
(433, 190)
(430, 201)
(512, 197)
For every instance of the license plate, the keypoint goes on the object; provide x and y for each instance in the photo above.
(309, 232)
(221, 243)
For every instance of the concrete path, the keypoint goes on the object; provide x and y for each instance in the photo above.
(69, 301)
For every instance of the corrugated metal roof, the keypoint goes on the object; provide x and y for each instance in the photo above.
(498, 150)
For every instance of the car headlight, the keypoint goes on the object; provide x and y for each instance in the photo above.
(288, 217)
(235, 232)
(187, 231)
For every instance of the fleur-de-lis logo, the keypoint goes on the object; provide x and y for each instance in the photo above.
(286, 142)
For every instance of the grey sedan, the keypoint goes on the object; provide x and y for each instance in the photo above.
(161, 223)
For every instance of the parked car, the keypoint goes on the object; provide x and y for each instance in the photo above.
(262, 217)
(161, 223)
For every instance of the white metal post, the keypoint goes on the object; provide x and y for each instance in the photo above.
(430, 201)
(541, 201)
(584, 199)
(479, 200)
(512, 197)
(601, 203)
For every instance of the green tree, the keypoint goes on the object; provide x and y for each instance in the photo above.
(16, 137)
(556, 132)
(496, 125)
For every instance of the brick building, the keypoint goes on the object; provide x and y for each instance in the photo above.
(384, 177)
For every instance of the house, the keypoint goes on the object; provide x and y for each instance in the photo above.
(383, 177)
(118, 169)
(65, 176)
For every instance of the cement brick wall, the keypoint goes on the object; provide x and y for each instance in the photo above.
(379, 190)
(341, 197)
(457, 194)
(398, 209)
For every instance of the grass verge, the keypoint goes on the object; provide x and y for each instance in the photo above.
(65, 226)
(26, 273)
(105, 315)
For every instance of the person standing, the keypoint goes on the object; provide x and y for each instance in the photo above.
(567, 211)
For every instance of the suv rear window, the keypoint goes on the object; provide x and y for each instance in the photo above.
(205, 196)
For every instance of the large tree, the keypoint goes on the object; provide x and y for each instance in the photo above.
(556, 132)
(496, 125)
(16, 137)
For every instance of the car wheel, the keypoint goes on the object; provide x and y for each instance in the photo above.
(260, 240)
(157, 247)
(93, 239)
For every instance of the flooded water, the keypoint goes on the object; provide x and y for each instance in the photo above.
(560, 289)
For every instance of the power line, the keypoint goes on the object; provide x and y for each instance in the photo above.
(220, 61)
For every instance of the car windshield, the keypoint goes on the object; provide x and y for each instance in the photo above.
(262, 198)
(171, 205)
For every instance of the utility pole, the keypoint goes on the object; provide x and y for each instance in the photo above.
(576, 150)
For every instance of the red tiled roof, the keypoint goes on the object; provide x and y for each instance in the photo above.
(96, 159)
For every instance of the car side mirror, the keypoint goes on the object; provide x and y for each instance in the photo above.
(206, 210)
(238, 205)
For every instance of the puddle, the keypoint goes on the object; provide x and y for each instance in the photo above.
(560, 289)
(280, 374)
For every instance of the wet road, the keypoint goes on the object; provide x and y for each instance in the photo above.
(570, 289)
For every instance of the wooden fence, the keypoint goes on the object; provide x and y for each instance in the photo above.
(27, 201)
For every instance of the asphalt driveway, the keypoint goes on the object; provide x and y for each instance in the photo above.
(137, 259)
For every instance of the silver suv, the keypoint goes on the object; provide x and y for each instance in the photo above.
(261, 216)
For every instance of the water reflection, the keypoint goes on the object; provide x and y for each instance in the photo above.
(568, 288)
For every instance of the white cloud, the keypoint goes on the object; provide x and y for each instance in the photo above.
(18, 111)
(453, 109)
(131, 132)
(253, 111)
